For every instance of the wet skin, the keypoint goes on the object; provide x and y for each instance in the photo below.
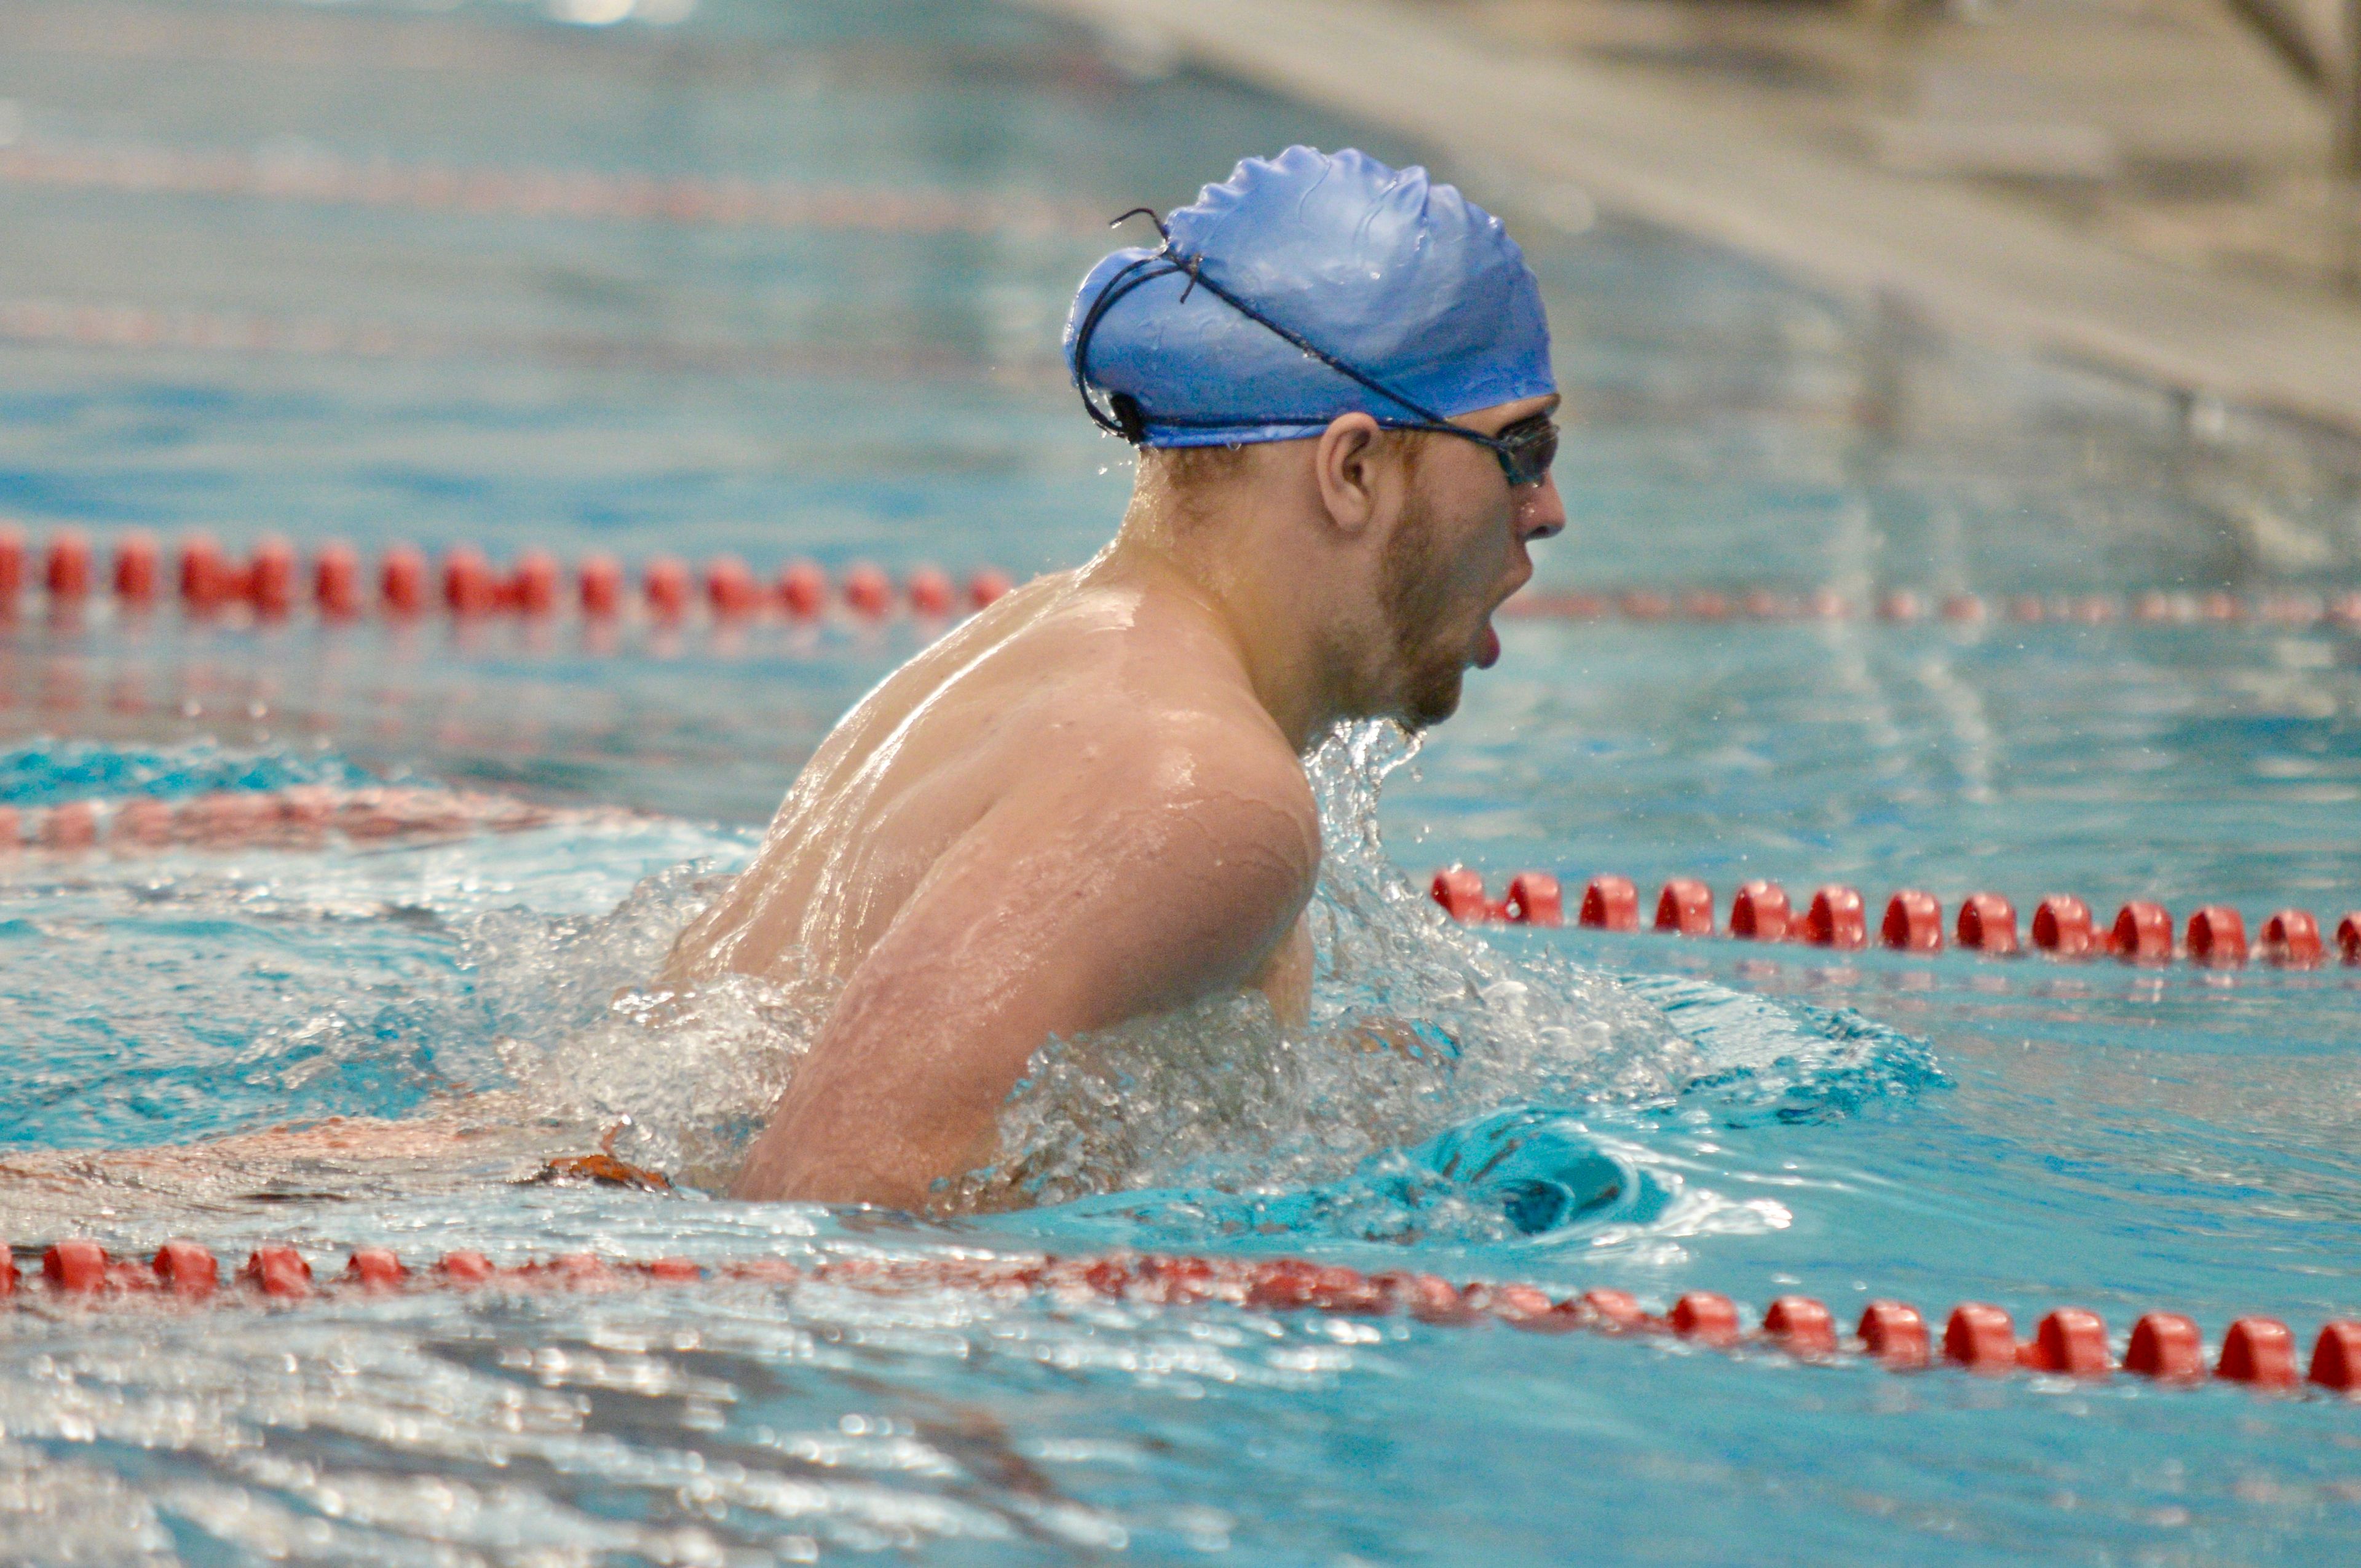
(1088, 804)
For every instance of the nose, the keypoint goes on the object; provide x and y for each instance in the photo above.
(1541, 511)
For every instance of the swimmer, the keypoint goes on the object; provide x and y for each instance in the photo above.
(1089, 804)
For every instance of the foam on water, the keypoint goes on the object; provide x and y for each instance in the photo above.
(1446, 1084)
(1443, 1085)
(684, 1079)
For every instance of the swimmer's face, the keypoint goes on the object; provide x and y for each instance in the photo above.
(1457, 549)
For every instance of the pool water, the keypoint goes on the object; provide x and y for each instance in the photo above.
(877, 383)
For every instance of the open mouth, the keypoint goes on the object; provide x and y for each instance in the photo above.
(1487, 646)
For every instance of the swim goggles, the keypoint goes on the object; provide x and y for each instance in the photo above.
(1524, 450)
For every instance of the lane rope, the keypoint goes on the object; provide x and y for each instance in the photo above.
(117, 325)
(1978, 1337)
(274, 584)
(333, 582)
(319, 177)
(304, 817)
(311, 816)
(1835, 918)
(1902, 606)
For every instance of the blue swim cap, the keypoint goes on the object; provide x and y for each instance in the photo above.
(1305, 287)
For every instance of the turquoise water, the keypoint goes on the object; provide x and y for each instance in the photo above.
(1656, 1115)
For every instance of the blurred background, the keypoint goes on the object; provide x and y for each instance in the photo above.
(2214, 134)
(780, 280)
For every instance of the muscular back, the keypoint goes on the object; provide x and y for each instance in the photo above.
(1069, 812)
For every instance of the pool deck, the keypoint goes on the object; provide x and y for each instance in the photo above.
(1720, 159)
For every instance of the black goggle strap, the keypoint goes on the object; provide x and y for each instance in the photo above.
(1194, 267)
(1125, 417)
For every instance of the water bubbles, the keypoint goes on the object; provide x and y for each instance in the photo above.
(681, 1081)
(1443, 1086)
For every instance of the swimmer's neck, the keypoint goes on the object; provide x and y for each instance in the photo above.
(1262, 600)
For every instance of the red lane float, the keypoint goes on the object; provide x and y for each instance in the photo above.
(533, 586)
(1460, 892)
(803, 590)
(375, 1267)
(1801, 1326)
(2073, 1341)
(1610, 904)
(2291, 937)
(463, 1269)
(1913, 923)
(1759, 913)
(77, 1265)
(2063, 927)
(1893, 1332)
(2167, 1345)
(929, 591)
(1534, 899)
(186, 1269)
(1987, 925)
(2336, 1356)
(278, 1271)
(867, 590)
(2143, 934)
(1686, 906)
(1980, 1337)
(468, 588)
(1835, 918)
(335, 582)
(2217, 936)
(987, 586)
(2258, 1350)
(139, 568)
(598, 588)
(2070, 1342)
(1706, 1315)
(664, 583)
(270, 576)
(402, 583)
(66, 567)
(730, 589)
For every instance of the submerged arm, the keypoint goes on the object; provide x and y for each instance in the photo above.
(1130, 888)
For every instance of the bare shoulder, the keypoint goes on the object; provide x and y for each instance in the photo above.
(1112, 691)
(1211, 759)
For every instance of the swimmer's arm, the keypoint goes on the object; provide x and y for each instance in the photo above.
(1285, 977)
(1135, 888)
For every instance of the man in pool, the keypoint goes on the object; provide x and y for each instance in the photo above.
(1089, 804)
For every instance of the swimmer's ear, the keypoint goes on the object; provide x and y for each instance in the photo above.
(1349, 463)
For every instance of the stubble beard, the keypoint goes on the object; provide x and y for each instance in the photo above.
(1416, 592)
